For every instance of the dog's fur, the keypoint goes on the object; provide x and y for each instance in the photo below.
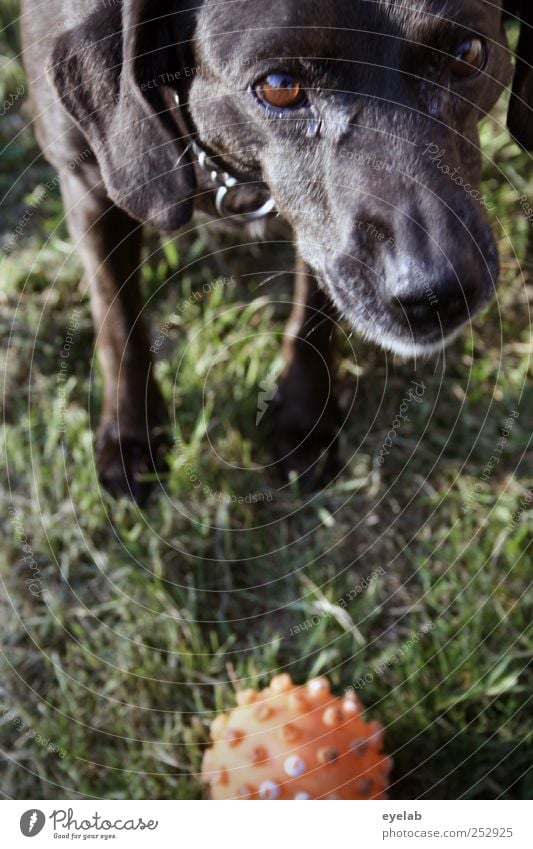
(396, 242)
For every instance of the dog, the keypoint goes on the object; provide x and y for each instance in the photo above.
(356, 122)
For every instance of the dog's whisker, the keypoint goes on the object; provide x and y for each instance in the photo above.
(316, 327)
(272, 277)
(183, 153)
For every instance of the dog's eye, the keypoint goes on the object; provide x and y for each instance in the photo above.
(282, 91)
(470, 58)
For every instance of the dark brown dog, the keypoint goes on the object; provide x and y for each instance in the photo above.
(358, 120)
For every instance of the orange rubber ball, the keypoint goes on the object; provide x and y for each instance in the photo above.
(290, 742)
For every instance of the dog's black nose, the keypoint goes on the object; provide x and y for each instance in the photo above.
(447, 302)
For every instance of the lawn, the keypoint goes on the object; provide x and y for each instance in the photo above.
(126, 630)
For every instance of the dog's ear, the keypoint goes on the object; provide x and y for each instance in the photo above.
(520, 119)
(108, 72)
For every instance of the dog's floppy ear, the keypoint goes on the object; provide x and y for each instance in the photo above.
(520, 119)
(108, 72)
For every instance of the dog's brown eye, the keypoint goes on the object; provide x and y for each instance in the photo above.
(469, 58)
(282, 91)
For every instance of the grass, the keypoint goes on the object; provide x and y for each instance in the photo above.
(139, 624)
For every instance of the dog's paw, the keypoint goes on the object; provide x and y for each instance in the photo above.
(306, 441)
(129, 462)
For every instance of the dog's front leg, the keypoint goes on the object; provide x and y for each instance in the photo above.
(129, 443)
(307, 414)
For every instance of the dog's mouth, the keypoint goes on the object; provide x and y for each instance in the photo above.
(409, 326)
(408, 305)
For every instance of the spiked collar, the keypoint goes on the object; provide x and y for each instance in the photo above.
(225, 183)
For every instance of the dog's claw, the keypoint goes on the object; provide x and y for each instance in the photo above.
(128, 463)
(306, 446)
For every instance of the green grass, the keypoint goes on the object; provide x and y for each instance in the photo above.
(142, 622)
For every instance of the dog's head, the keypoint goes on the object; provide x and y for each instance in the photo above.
(360, 117)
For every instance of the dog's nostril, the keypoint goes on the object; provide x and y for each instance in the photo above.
(445, 303)
(416, 309)
(456, 305)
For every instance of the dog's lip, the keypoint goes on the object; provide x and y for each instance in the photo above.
(438, 323)
(401, 336)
